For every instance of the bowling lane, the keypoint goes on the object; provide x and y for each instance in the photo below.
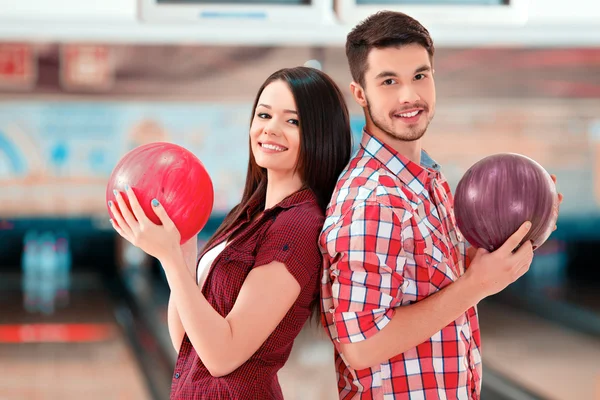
(79, 349)
(548, 359)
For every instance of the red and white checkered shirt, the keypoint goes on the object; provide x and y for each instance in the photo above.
(389, 240)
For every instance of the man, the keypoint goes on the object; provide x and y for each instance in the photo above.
(398, 300)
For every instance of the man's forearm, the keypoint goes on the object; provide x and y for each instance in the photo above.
(412, 325)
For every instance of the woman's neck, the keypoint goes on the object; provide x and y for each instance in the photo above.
(280, 187)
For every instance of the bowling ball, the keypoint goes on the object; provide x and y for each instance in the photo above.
(172, 175)
(498, 194)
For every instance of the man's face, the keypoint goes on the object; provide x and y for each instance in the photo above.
(399, 91)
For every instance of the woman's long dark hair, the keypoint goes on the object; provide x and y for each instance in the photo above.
(325, 142)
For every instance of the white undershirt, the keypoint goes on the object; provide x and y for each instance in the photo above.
(206, 261)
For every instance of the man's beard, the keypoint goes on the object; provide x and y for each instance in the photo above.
(410, 134)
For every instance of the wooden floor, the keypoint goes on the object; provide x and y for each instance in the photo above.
(553, 361)
(103, 369)
(310, 372)
(90, 371)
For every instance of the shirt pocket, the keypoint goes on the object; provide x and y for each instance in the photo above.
(434, 268)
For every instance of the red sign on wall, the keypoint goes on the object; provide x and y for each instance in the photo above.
(86, 67)
(18, 69)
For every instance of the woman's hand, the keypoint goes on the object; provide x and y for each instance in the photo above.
(159, 241)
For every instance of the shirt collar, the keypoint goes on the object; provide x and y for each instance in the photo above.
(302, 196)
(414, 175)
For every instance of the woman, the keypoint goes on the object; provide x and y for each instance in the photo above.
(259, 273)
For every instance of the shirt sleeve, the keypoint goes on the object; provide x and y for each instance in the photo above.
(292, 240)
(366, 272)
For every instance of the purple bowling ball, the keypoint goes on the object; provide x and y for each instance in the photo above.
(500, 192)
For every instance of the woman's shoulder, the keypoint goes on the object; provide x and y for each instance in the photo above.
(304, 213)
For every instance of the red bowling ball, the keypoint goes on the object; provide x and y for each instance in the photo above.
(498, 194)
(172, 175)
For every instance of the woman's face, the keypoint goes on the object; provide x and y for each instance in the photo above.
(275, 130)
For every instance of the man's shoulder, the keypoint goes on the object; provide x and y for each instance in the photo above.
(367, 200)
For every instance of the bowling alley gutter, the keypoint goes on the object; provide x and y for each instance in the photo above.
(152, 357)
(559, 311)
(504, 389)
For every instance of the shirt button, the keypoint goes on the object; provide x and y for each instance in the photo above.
(285, 247)
(177, 375)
